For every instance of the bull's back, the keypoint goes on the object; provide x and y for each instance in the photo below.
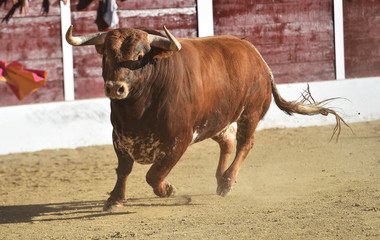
(225, 63)
(226, 74)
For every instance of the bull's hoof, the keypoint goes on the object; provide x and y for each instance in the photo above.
(224, 188)
(112, 206)
(174, 190)
(223, 191)
(166, 190)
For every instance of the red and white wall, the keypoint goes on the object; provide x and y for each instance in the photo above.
(330, 44)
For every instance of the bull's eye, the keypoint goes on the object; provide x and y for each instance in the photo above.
(139, 57)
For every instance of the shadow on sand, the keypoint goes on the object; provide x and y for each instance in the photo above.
(80, 210)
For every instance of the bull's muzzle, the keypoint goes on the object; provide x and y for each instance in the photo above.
(116, 90)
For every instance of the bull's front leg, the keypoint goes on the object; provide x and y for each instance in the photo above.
(162, 167)
(117, 196)
(156, 179)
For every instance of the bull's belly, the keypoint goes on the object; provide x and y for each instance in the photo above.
(228, 131)
(143, 150)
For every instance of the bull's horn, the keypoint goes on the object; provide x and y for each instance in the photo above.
(90, 39)
(170, 43)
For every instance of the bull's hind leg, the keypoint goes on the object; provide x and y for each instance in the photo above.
(226, 140)
(247, 124)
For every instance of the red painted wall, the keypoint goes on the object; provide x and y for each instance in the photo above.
(295, 37)
(362, 38)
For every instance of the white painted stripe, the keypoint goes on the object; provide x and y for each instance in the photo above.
(67, 53)
(157, 12)
(339, 40)
(205, 18)
(86, 122)
(145, 12)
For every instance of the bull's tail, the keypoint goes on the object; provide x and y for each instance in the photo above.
(307, 106)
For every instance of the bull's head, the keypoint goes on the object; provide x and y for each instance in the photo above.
(124, 52)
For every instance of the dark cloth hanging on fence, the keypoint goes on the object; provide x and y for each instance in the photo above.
(107, 15)
(106, 12)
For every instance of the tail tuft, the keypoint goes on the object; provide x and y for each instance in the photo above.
(308, 106)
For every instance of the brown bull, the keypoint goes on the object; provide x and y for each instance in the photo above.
(167, 94)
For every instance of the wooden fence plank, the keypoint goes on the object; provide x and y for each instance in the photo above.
(140, 4)
(300, 52)
(32, 27)
(302, 72)
(362, 38)
(292, 35)
(31, 48)
(89, 87)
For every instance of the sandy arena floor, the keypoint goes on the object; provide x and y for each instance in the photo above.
(295, 184)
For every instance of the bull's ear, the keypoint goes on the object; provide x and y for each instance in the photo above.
(100, 48)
